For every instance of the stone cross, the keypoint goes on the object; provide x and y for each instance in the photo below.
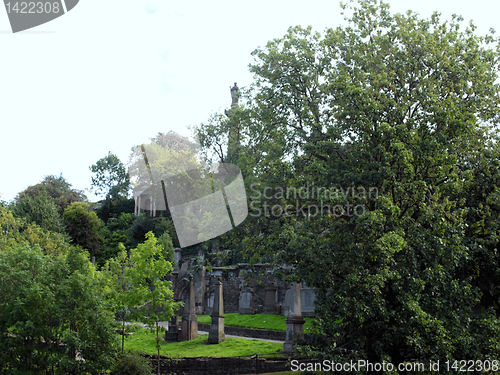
(216, 334)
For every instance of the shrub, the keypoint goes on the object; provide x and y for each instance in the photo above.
(132, 363)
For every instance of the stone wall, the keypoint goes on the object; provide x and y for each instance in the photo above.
(219, 366)
(249, 332)
(245, 290)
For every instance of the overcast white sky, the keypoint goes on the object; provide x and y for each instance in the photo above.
(111, 74)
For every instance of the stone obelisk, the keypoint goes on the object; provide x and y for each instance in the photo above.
(294, 323)
(189, 324)
(216, 334)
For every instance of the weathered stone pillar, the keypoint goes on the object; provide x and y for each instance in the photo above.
(216, 334)
(294, 323)
(189, 323)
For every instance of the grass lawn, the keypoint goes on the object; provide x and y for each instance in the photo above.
(262, 321)
(144, 341)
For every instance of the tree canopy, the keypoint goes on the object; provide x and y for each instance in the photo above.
(57, 188)
(370, 152)
(110, 177)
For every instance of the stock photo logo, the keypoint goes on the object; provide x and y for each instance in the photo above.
(25, 15)
(203, 203)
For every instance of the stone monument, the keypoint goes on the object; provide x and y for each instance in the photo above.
(246, 297)
(294, 323)
(216, 334)
(189, 323)
(270, 299)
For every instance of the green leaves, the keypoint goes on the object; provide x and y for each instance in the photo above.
(405, 106)
(110, 177)
(52, 309)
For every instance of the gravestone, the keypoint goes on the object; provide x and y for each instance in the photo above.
(270, 299)
(189, 323)
(246, 298)
(216, 334)
(172, 335)
(308, 297)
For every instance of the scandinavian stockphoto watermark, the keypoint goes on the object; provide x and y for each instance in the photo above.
(310, 201)
(25, 15)
(203, 202)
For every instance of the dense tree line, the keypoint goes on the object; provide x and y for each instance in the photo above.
(405, 108)
(58, 309)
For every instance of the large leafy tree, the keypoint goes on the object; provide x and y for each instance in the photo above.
(53, 316)
(14, 230)
(110, 177)
(83, 226)
(40, 209)
(405, 108)
(57, 188)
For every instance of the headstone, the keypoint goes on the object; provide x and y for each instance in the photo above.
(270, 299)
(246, 301)
(216, 334)
(308, 297)
(294, 323)
(189, 323)
(172, 335)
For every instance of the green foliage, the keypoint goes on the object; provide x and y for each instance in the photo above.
(110, 177)
(58, 189)
(148, 271)
(16, 231)
(408, 108)
(168, 248)
(150, 291)
(83, 226)
(53, 316)
(39, 209)
(132, 363)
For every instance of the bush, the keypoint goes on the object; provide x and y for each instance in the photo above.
(132, 363)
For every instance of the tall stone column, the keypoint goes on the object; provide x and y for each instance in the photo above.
(294, 323)
(189, 324)
(216, 334)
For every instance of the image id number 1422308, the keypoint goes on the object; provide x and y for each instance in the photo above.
(32, 7)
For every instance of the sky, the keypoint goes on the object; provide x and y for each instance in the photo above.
(111, 74)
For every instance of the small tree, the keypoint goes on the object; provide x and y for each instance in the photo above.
(148, 271)
(116, 271)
